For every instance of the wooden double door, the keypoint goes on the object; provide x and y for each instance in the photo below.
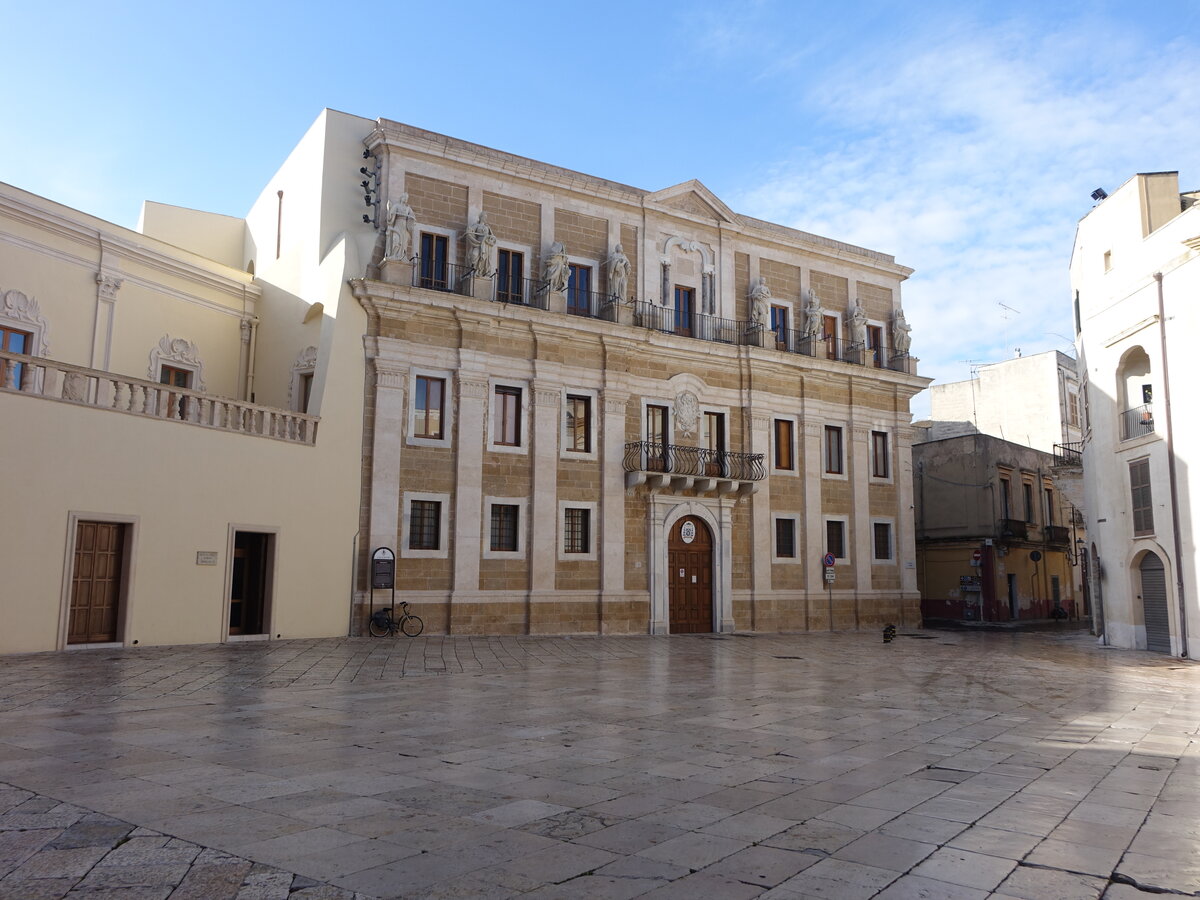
(690, 565)
(96, 583)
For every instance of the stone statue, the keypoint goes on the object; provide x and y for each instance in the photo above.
(480, 242)
(814, 317)
(618, 274)
(557, 271)
(400, 225)
(858, 325)
(901, 333)
(760, 303)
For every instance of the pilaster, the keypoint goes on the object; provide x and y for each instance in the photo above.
(860, 521)
(543, 508)
(814, 522)
(386, 444)
(612, 491)
(468, 498)
(762, 541)
(107, 286)
(906, 545)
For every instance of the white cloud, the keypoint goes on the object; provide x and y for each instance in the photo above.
(970, 156)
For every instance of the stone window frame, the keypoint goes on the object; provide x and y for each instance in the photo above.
(522, 446)
(178, 353)
(794, 471)
(593, 425)
(844, 474)
(890, 477)
(522, 504)
(884, 342)
(410, 413)
(846, 545)
(789, 329)
(443, 551)
(596, 266)
(797, 520)
(890, 522)
(528, 272)
(593, 511)
(304, 365)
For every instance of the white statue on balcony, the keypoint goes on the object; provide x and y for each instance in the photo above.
(557, 271)
(618, 274)
(760, 303)
(901, 333)
(480, 243)
(858, 325)
(814, 316)
(400, 224)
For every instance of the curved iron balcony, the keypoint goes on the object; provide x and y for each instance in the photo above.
(678, 467)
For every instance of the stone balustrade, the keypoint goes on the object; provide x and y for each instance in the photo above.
(67, 383)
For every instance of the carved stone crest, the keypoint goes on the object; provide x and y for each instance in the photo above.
(19, 307)
(687, 411)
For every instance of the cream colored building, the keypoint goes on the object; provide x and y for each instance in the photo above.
(215, 421)
(1135, 272)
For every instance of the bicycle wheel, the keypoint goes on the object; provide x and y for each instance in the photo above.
(381, 624)
(412, 625)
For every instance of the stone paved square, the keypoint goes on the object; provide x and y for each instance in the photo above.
(944, 764)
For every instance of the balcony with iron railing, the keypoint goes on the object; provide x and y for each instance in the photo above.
(679, 468)
(1068, 454)
(1057, 535)
(441, 276)
(1137, 422)
(1017, 529)
(65, 383)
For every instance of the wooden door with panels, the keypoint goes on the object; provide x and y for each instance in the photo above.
(690, 565)
(96, 583)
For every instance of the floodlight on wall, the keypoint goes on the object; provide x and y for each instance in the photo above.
(1099, 194)
(370, 185)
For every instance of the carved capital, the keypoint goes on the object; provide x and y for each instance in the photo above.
(107, 286)
(615, 403)
(759, 421)
(814, 429)
(860, 432)
(390, 376)
(246, 326)
(472, 388)
(546, 397)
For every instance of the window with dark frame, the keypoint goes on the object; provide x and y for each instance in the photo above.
(504, 527)
(784, 434)
(424, 524)
(1005, 498)
(1049, 506)
(684, 303)
(785, 538)
(779, 325)
(883, 540)
(657, 432)
(510, 276)
(577, 530)
(429, 407)
(306, 383)
(875, 344)
(880, 457)
(835, 538)
(579, 290)
(1142, 501)
(833, 450)
(506, 416)
(434, 253)
(175, 377)
(579, 423)
(1027, 492)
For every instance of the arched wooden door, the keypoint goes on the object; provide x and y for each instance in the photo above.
(690, 565)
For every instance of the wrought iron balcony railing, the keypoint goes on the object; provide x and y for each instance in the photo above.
(1137, 422)
(1014, 528)
(1058, 535)
(1069, 454)
(697, 462)
(441, 276)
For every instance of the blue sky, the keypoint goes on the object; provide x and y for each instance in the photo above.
(964, 138)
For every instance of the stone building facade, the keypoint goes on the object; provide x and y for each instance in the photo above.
(597, 409)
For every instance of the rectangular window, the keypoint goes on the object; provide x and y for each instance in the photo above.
(714, 443)
(306, 382)
(433, 261)
(785, 538)
(835, 539)
(656, 438)
(577, 530)
(13, 341)
(504, 526)
(510, 276)
(779, 325)
(879, 454)
(1049, 506)
(579, 291)
(175, 377)
(1005, 499)
(579, 424)
(1139, 486)
(1027, 491)
(1073, 410)
(425, 525)
(883, 540)
(784, 433)
(830, 334)
(833, 450)
(684, 301)
(428, 406)
(506, 416)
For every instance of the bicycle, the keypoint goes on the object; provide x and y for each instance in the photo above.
(384, 622)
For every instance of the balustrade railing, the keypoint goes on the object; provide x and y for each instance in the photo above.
(105, 390)
(1137, 422)
(676, 459)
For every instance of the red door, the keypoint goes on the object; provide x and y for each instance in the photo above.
(689, 560)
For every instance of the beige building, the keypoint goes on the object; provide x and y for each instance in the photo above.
(996, 541)
(582, 408)
(1135, 271)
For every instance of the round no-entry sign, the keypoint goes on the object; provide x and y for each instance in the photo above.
(828, 559)
(976, 555)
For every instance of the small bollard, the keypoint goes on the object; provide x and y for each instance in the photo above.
(889, 632)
